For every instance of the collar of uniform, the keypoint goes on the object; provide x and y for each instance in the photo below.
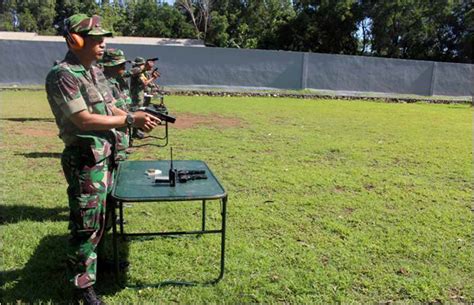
(74, 63)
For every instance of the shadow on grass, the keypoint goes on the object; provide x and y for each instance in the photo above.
(44, 278)
(17, 213)
(28, 119)
(35, 155)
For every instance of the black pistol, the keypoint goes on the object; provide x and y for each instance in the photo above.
(186, 178)
(191, 172)
(162, 116)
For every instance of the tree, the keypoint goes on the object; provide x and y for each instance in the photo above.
(66, 8)
(217, 33)
(463, 29)
(27, 21)
(251, 24)
(188, 6)
(439, 30)
(8, 16)
(113, 17)
(150, 19)
(199, 13)
(29, 16)
(413, 29)
(265, 18)
(322, 26)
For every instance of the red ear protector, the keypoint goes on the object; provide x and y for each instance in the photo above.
(75, 41)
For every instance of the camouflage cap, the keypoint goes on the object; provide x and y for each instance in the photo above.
(83, 24)
(113, 57)
(139, 61)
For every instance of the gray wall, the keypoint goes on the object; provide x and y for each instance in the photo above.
(27, 63)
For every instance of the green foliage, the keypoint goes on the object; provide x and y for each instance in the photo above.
(113, 17)
(7, 18)
(27, 21)
(329, 202)
(421, 29)
(252, 24)
(6, 22)
(146, 18)
(463, 32)
(217, 34)
(439, 30)
(66, 8)
(31, 16)
(323, 26)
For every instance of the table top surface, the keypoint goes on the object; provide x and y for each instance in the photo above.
(132, 182)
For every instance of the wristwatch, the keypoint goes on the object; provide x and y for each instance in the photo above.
(130, 120)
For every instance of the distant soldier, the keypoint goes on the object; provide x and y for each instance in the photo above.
(151, 74)
(113, 63)
(83, 107)
(142, 80)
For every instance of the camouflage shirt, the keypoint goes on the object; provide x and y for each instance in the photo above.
(120, 92)
(152, 88)
(71, 89)
(122, 101)
(137, 86)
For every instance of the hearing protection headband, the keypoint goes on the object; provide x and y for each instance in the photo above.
(74, 40)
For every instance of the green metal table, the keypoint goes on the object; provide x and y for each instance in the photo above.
(133, 185)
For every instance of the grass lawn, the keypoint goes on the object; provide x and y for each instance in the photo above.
(329, 201)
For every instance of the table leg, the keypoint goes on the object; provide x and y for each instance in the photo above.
(223, 213)
(203, 215)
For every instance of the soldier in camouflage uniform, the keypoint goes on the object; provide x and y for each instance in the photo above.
(83, 107)
(138, 83)
(151, 74)
(142, 80)
(113, 63)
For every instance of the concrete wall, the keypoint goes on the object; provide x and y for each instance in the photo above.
(369, 74)
(27, 63)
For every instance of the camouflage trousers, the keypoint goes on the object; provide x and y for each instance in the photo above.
(89, 182)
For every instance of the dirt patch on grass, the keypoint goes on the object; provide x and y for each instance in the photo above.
(38, 132)
(189, 120)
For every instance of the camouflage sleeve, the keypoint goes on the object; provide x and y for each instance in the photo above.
(103, 86)
(142, 79)
(132, 72)
(66, 93)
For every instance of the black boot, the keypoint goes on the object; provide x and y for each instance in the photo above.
(87, 296)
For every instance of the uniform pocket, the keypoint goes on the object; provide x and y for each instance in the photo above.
(95, 101)
(100, 148)
(86, 218)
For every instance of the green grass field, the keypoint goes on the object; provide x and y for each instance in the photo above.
(329, 201)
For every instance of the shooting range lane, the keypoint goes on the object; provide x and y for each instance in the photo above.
(133, 184)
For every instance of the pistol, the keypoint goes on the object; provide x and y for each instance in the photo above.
(186, 178)
(191, 172)
(160, 115)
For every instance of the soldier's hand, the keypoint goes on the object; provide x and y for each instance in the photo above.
(155, 74)
(145, 121)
